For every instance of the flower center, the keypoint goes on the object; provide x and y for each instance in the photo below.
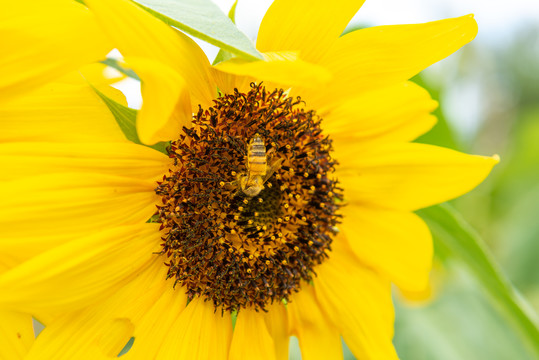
(248, 207)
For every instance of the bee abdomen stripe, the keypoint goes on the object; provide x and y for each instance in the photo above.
(258, 153)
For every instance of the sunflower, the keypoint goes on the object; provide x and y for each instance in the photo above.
(283, 206)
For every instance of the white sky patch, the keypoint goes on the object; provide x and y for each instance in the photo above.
(129, 87)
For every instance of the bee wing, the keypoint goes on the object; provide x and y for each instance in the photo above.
(272, 168)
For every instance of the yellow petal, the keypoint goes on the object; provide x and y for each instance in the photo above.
(154, 328)
(121, 159)
(97, 74)
(308, 26)
(81, 272)
(251, 339)
(166, 106)
(390, 114)
(70, 205)
(277, 322)
(410, 176)
(318, 338)
(136, 33)
(199, 333)
(358, 302)
(42, 40)
(102, 330)
(384, 55)
(396, 243)
(59, 112)
(16, 335)
(283, 68)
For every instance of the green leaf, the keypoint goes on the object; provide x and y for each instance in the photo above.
(428, 332)
(224, 55)
(113, 63)
(458, 240)
(204, 20)
(127, 347)
(126, 118)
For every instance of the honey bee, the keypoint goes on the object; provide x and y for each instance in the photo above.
(258, 170)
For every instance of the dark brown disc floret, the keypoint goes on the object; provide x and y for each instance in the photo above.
(235, 249)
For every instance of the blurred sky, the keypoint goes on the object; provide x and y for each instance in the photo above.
(498, 20)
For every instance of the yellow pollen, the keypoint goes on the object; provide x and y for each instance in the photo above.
(245, 201)
(240, 208)
(306, 174)
(221, 183)
(260, 200)
(233, 173)
(230, 250)
(284, 262)
(249, 271)
(296, 248)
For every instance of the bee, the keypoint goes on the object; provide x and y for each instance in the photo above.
(258, 170)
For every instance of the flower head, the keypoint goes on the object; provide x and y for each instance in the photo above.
(244, 228)
(285, 198)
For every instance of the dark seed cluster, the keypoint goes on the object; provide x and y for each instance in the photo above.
(240, 251)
